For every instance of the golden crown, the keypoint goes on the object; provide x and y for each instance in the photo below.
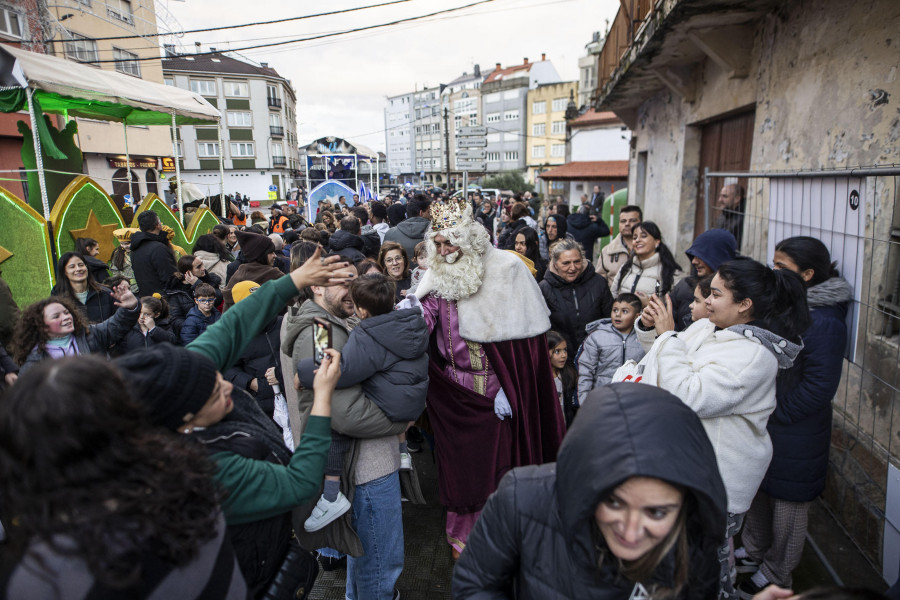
(447, 215)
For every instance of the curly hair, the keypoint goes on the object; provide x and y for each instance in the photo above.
(83, 472)
(31, 331)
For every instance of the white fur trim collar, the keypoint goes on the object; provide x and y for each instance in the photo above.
(508, 305)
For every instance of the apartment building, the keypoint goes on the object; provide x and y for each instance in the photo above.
(546, 126)
(259, 129)
(429, 145)
(76, 30)
(462, 97)
(504, 97)
(400, 138)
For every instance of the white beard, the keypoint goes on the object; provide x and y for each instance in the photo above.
(458, 278)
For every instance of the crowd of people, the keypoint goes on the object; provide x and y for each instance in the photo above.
(605, 423)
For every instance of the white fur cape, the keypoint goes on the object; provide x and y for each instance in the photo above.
(508, 305)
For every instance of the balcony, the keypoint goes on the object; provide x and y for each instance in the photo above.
(279, 161)
(273, 102)
(276, 131)
(657, 44)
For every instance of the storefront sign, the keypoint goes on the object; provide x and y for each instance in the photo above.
(137, 162)
(168, 164)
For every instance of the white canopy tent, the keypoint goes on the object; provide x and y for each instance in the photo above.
(66, 87)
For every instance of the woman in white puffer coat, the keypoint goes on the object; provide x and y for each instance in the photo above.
(724, 368)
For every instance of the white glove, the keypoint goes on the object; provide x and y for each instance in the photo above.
(411, 301)
(501, 406)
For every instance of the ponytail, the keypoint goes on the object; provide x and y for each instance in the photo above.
(157, 304)
(810, 253)
(779, 297)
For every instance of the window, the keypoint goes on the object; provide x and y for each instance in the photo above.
(418, 113)
(434, 111)
(275, 120)
(510, 94)
(473, 120)
(558, 127)
(240, 119)
(539, 107)
(169, 82)
(514, 155)
(208, 149)
(277, 150)
(539, 129)
(120, 10)
(11, 23)
(241, 149)
(492, 118)
(126, 62)
(180, 148)
(435, 128)
(493, 157)
(558, 150)
(204, 87)
(495, 97)
(511, 115)
(559, 104)
(81, 48)
(538, 151)
(237, 89)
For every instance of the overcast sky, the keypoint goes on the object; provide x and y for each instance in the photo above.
(342, 82)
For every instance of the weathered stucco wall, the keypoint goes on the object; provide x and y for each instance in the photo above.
(824, 81)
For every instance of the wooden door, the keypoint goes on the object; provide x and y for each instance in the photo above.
(725, 145)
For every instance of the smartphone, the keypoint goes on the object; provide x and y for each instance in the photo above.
(321, 339)
(656, 290)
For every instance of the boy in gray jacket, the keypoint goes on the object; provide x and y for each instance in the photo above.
(610, 342)
(386, 355)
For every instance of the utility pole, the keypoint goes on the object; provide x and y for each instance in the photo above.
(447, 145)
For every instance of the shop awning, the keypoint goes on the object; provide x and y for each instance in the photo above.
(65, 86)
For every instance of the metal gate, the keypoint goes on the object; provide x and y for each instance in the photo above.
(856, 213)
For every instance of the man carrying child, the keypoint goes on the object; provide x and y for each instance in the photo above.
(386, 355)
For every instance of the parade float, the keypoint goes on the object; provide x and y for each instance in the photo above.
(63, 204)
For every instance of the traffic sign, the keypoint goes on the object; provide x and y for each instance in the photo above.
(273, 188)
(273, 195)
(473, 130)
(471, 166)
(472, 142)
(475, 154)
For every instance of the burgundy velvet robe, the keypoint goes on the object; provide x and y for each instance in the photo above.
(475, 448)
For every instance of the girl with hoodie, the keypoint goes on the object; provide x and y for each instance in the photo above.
(634, 507)
(724, 368)
(800, 427)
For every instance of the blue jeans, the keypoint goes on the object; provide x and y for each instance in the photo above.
(378, 521)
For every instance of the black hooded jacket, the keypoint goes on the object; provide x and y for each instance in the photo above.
(348, 245)
(586, 232)
(574, 305)
(153, 262)
(534, 538)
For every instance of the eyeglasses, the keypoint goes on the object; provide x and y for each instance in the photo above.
(206, 300)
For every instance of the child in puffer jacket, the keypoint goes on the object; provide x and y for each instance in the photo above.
(610, 342)
(386, 355)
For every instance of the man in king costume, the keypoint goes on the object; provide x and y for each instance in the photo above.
(491, 398)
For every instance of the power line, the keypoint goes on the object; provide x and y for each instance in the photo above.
(317, 37)
(285, 20)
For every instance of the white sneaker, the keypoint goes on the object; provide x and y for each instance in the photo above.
(325, 512)
(405, 462)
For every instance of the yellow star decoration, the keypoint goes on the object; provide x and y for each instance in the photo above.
(102, 233)
(4, 254)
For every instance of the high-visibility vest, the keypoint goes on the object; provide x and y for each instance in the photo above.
(278, 226)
